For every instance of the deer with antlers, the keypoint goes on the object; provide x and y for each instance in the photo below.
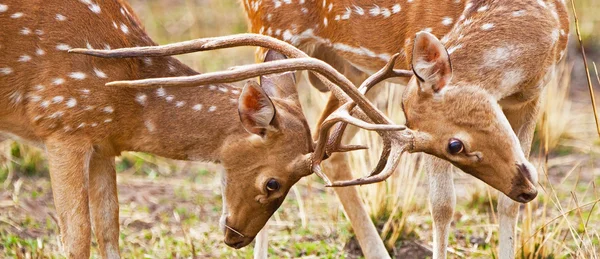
(475, 92)
(59, 102)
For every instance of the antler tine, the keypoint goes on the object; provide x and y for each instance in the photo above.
(387, 171)
(384, 73)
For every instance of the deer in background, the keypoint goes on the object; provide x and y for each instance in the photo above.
(59, 102)
(476, 91)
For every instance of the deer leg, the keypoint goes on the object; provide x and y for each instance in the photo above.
(104, 205)
(443, 201)
(523, 123)
(69, 165)
(261, 245)
(370, 242)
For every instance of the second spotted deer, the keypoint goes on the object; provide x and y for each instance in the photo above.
(480, 67)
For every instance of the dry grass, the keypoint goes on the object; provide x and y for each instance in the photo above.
(171, 208)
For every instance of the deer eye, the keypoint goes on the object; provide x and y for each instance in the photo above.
(272, 185)
(455, 146)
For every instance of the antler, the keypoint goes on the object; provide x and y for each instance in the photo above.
(339, 85)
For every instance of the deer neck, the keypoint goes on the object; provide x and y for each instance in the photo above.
(189, 123)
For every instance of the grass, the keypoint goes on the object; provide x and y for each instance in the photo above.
(170, 209)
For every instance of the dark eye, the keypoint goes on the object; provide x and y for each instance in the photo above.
(272, 185)
(455, 146)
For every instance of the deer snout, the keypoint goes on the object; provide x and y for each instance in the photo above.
(235, 240)
(524, 188)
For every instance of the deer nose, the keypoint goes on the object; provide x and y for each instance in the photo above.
(527, 196)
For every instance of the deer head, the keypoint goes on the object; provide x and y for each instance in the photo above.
(464, 124)
(263, 165)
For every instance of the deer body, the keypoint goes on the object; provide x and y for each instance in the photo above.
(59, 101)
(477, 64)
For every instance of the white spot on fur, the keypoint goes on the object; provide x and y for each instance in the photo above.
(60, 17)
(147, 61)
(212, 109)
(396, 8)
(234, 91)
(358, 10)
(482, 9)
(124, 28)
(85, 91)
(160, 92)
(179, 104)
(40, 52)
(71, 103)
(150, 125)
(34, 98)
(212, 87)
(554, 36)
(223, 89)
(197, 107)
(487, 26)
(45, 104)
(39, 88)
(24, 58)
(62, 46)
(447, 21)
(141, 99)
(170, 98)
(57, 99)
(39, 32)
(6, 70)
(108, 120)
(518, 13)
(108, 109)
(99, 73)
(16, 15)
(77, 75)
(25, 31)
(58, 81)
(95, 8)
(3, 8)
(325, 21)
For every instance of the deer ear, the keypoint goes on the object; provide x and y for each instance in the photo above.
(430, 62)
(278, 85)
(255, 109)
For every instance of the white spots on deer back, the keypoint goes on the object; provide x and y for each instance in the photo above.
(542, 3)
(58, 81)
(6, 70)
(150, 125)
(77, 75)
(60, 17)
(160, 92)
(40, 52)
(447, 21)
(25, 31)
(3, 8)
(57, 99)
(482, 9)
(518, 13)
(108, 109)
(24, 58)
(487, 26)
(554, 36)
(17, 15)
(63, 47)
(180, 104)
(72, 102)
(212, 108)
(124, 28)
(141, 98)
(99, 73)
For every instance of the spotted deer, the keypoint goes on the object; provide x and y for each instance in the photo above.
(476, 91)
(58, 101)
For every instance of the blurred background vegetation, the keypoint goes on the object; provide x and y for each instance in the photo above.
(170, 209)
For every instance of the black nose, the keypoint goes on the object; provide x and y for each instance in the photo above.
(527, 196)
(236, 245)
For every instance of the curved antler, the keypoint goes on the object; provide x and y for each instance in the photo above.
(339, 85)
